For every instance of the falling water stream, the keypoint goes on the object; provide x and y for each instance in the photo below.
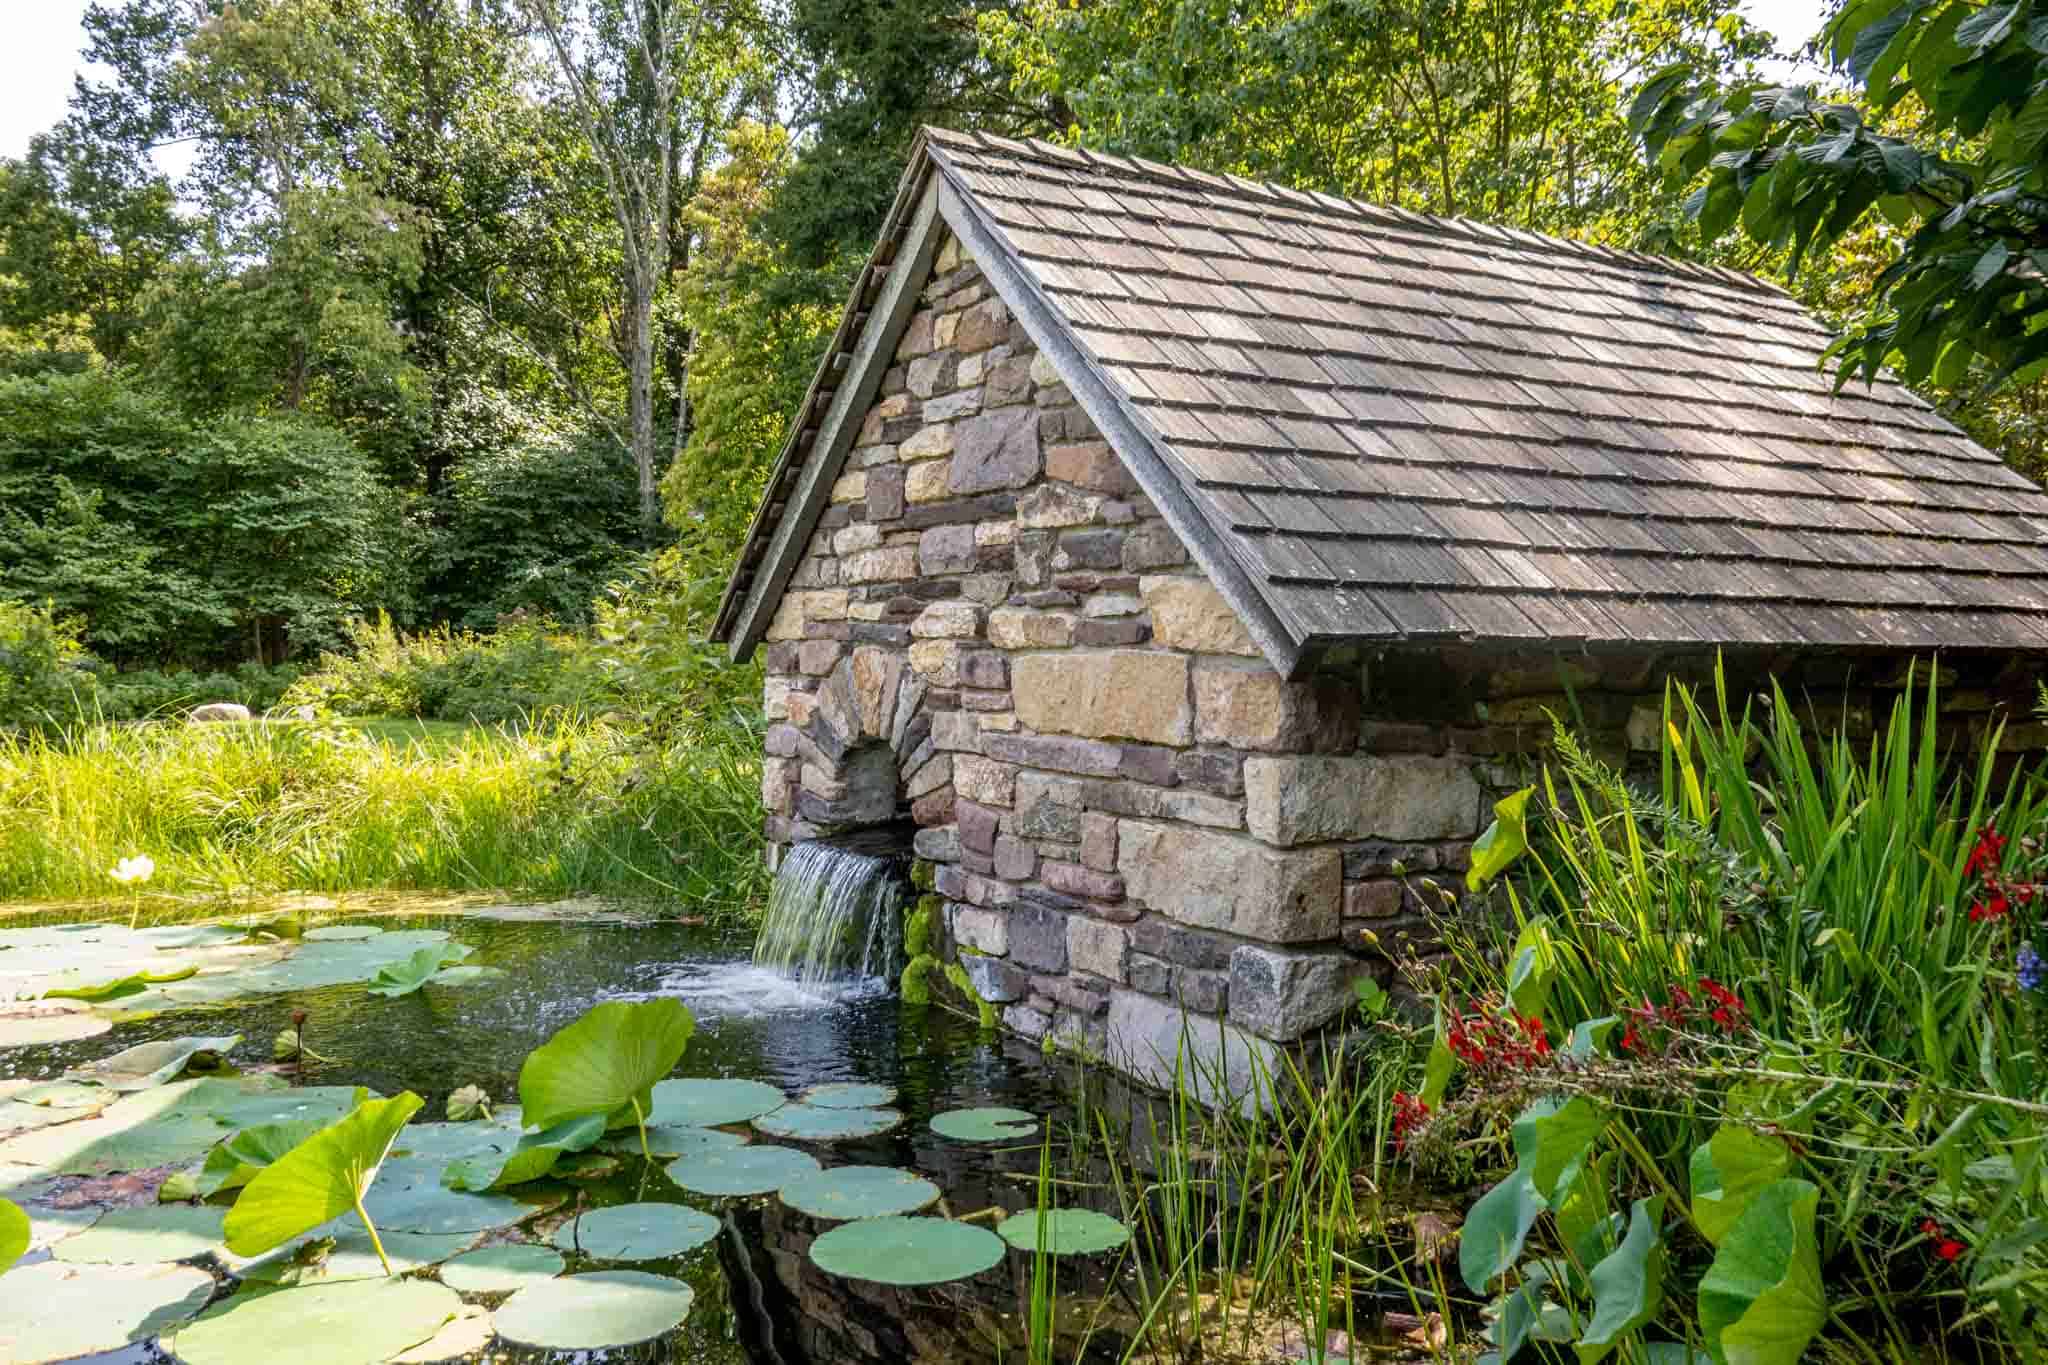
(834, 920)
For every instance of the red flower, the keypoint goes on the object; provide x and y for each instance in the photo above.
(1928, 1227)
(1986, 855)
(1948, 1249)
(1410, 1113)
(1631, 1041)
(1995, 908)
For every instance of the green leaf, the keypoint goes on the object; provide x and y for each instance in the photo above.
(403, 978)
(1988, 27)
(235, 1162)
(530, 1158)
(1552, 1139)
(994, 1124)
(1495, 1229)
(604, 1310)
(323, 1177)
(150, 1064)
(1532, 967)
(1067, 1232)
(847, 1192)
(14, 1233)
(1504, 841)
(1728, 1171)
(605, 1063)
(907, 1251)
(133, 984)
(1436, 1072)
(1590, 1036)
(1628, 1285)
(1761, 1301)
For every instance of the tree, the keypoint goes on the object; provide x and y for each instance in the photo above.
(1941, 155)
(651, 82)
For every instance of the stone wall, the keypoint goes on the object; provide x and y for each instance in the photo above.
(995, 635)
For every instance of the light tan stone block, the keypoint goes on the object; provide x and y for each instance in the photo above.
(927, 482)
(862, 535)
(1105, 694)
(1404, 797)
(796, 608)
(1093, 946)
(953, 620)
(1187, 613)
(937, 661)
(928, 443)
(851, 487)
(885, 565)
(1030, 628)
(1223, 881)
(984, 781)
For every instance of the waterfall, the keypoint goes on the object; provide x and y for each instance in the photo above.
(833, 918)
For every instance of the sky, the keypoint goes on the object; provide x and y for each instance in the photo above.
(43, 38)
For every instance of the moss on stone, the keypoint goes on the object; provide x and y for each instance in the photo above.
(917, 927)
(924, 875)
(957, 974)
(915, 988)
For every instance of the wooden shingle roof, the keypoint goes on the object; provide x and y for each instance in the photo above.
(1395, 428)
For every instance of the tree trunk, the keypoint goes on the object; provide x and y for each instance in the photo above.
(640, 393)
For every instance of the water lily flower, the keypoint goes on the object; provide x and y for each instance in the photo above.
(133, 871)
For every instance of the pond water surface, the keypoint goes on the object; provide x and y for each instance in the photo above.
(759, 1299)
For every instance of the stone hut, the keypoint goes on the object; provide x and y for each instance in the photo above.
(1182, 555)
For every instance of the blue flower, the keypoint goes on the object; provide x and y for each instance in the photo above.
(2032, 970)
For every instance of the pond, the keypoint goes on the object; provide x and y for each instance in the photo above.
(758, 1296)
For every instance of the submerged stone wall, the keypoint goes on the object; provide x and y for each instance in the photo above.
(995, 635)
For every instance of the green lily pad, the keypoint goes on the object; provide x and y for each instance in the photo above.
(394, 979)
(236, 1161)
(906, 1250)
(132, 984)
(1069, 1232)
(860, 1192)
(594, 1312)
(465, 975)
(319, 1180)
(341, 933)
(423, 1204)
(501, 1269)
(706, 1103)
(530, 1158)
(343, 1251)
(148, 1064)
(170, 1125)
(146, 1236)
(984, 1125)
(741, 1170)
(55, 1311)
(808, 1123)
(358, 1322)
(637, 1232)
(674, 1140)
(605, 1063)
(27, 1025)
(849, 1095)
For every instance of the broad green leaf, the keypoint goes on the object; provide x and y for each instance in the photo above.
(530, 1158)
(847, 1192)
(1436, 1072)
(1495, 1229)
(605, 1063)
(1552, 1139)
(55, 1311)
(1068, 1232)
(809, 1123)
(1761, 1301)
(1504, 841)
(1628, 1285)
(1590, 1036)
(1532, 967)
(148, 1064)
(235, 1162)
(323, 1177)
(1728, 1171)
(984, 1125)
(322, 1324)
(132, 984)
(145, 1236)
(501, 1269)
(14, 1234)
(907, 1250)
(738, 1171)
(403, 978)
(603, 1310)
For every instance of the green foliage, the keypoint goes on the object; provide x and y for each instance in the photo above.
(917, 928)
(15, 1234)
(44, 681)
(985, 1012)
(146, 693)
(914, 987)
(606, 1063)
(523, 670)
(403, 978)
(322, 1178)
(1958, 182)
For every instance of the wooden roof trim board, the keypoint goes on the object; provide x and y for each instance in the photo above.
(1373, 426)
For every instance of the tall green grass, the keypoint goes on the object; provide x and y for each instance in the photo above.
(560, 807)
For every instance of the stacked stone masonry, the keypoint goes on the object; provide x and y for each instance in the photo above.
(994, 634)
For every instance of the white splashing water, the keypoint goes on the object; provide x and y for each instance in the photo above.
(833, 918)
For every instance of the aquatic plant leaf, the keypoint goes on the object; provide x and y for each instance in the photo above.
(132, 984)
(357, 1322)
(530, 1158)
(502, 1269)
(848, 1095)
(741, 1170)
(466, 975)
(342, 1250)
(1552, 1139)
(341, 933)
(403, 978)
(1761, 1301)
(984, 1125)
(807, 1123)
(148, 1064)
(56, 1311)
(468, 1102)
(860, 1192)
(1729, 1169)
(447, 1141)
(170, 1125)
(30, 1025)
(906, 1250)
(420, 1203)
(707, 1103)
(637, 1232)
(322, 1178)
(1068, 1232)
(585, 1166)
(1495, 1229)
(605, 1063)
(601, 1310)
(145, 1236)
(668, 1141)
(1504, 841)
(1628, 1283)
(1532, 967)
(15, 1234)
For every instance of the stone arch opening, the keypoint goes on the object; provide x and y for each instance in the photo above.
(867, 760)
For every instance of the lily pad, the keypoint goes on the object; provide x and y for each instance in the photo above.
(169, 1125)
(637, 1232)
(707, 1103)
(132, 984)
(906, 1250)
(341, 933)
(741, 1170)
(464, 1337)
(343, 1251)
(860, 1192)
(465, 975)
(605, 1063)
(984, 1125)
(670, 1141)
(808, 1123)
(594, 1312)
(424, 1205)
(146, 1236)
(501, 1269)
(55, 1311)
(148, 1064)
(447, 1141)
(849, 1095)
(530, 1158)
(27, 1025)
(359, 1322)
(1069, 1232)
(394, 979)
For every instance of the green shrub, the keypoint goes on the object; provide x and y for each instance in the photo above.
(521, 670)
(45, 677)
(147, 693)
